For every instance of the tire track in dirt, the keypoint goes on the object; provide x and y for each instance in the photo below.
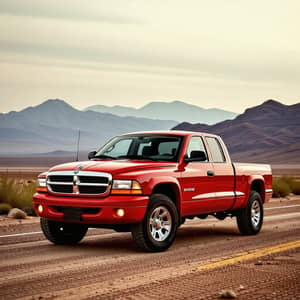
(111, 262)
(117, 258)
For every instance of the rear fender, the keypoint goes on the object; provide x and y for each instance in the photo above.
(256, 183)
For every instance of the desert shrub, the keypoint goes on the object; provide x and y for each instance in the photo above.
(5, 208)
(288, 180)
(280, 188)
(285, 185)
(7, 192)
(295, 186)
(17, 193)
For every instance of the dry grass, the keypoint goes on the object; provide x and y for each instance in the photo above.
(5, 208)
(285, 185)
(295, 187)
(17, 193)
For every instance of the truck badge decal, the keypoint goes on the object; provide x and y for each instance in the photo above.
(78, 169)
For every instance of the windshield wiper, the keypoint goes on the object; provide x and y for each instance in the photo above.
(104, 156)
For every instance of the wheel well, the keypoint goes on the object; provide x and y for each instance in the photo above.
(258, 186)
(170, 190)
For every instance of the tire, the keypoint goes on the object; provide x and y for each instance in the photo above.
(250, 219)
(61, 233)
(158, 229)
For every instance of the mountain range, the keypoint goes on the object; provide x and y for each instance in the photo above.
(269, 133)
(177, 110)
(54, 124)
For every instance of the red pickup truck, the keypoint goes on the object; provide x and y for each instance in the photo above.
(149, 183)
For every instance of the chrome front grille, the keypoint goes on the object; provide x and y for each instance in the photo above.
(85, 183)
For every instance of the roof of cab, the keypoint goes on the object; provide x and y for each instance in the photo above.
(171, 132)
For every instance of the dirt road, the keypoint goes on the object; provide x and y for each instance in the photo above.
(207, 257)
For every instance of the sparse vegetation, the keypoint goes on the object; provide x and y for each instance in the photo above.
(285, 185)
(17, 193)
(295, 187)
(5, 208)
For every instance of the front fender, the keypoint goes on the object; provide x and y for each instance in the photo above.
(155, 181)
(161, 180)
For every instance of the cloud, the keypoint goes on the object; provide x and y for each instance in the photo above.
(150, 49)
(92, 10)
(167, 63)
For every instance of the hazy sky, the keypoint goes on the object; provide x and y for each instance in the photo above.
(229, 54)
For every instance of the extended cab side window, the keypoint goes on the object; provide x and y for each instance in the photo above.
(215, 150)
(195, 144)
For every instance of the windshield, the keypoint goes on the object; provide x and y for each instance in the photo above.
(150, 147)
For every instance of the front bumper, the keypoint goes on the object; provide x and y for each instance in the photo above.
(133, 206)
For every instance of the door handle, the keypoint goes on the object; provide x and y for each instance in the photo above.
(210, 173)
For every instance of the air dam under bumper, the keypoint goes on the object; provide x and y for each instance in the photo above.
(134, 208)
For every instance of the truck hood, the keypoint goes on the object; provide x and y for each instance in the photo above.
(112, 166)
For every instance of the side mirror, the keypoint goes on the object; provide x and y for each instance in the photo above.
(196, 156)
(92, 154)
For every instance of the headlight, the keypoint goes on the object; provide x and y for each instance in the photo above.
(122, 184)
(126, 187)
(41, 184)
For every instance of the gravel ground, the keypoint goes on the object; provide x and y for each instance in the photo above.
(107, 265)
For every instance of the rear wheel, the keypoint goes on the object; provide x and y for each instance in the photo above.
(158, 229)
(61, 233)
(250, 219)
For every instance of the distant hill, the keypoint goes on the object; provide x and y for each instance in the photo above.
(54, 125)
(176, 110)
(269, 132)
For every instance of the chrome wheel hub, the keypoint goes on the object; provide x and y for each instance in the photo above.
(255, 213)
(157, 224)
(160, 223)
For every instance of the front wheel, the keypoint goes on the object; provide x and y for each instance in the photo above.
(158, 229)
(250, 218)
(61, 233)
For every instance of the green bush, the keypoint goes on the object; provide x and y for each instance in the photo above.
(5, 208)
(17, 193)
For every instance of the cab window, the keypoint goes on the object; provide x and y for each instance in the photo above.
(195, 144)
(215, 150)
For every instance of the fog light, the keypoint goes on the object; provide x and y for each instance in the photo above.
(120, 212)
(40, 208)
